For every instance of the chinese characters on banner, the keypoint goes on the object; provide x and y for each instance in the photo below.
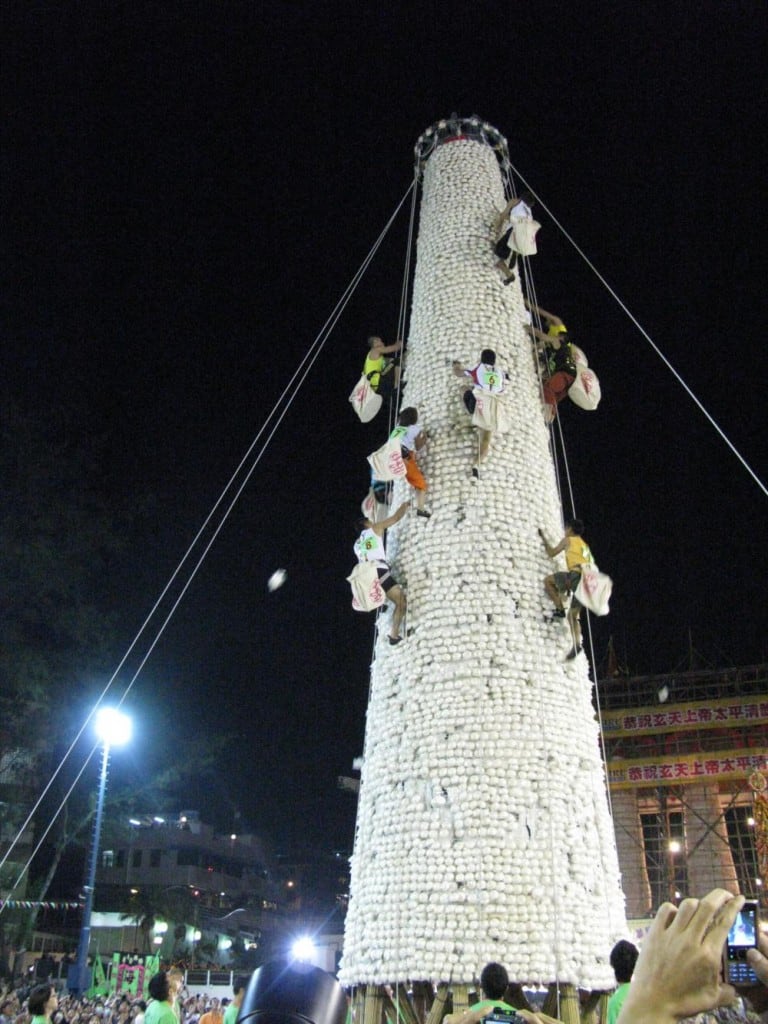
(680, 769)
(685, 716)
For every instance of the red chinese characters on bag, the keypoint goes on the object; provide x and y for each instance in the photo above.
(396, 464)
(585, 390)
(594, 591)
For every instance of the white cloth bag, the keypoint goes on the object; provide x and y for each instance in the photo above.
(594, 590)
(585, 390)
(367, 592)
(387, 461)
(491, 412)
(372, 509)
(523, 237)
(364, 400)
(579, 356)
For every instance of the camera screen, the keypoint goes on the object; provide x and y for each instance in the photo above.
(744, 929)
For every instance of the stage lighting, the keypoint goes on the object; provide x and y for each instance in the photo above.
(293, 992)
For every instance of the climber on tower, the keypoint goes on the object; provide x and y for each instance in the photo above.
(516, 213)
(382, 490)
(560, 584)
(383, 374)
(369, 547)
(485, 376)
(556, 346)
(412, 439)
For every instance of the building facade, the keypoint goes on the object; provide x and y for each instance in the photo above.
(218, 887)
(685, 752)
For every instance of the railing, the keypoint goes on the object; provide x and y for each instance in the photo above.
(637, 691)
(198, 980)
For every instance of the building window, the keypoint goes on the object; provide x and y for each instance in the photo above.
(154, 858)
(188, 858)
(741, 838)
(665, 854)
(120, 859)
(136, 859)
(108, 858)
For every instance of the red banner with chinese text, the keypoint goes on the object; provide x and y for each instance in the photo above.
(684, 768)
(680, 717)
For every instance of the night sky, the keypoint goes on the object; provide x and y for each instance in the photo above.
(188, 188)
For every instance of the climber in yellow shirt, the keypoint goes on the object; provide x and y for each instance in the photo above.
(383, 374)
(560, 584)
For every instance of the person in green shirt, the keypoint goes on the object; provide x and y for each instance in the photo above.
(623, 959)
(160, 1010)
(175, 985)
(231, 1012)
(41, 1003)
(494, 982)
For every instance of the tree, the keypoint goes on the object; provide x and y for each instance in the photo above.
(152, 903)
(61, 544)
(58, 541)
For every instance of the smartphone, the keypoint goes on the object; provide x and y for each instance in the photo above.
(501, 1016)
(741, 937)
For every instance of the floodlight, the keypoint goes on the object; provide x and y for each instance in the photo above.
(113, 727)
(292, 992)
(303, 948)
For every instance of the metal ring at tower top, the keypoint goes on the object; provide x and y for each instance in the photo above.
(454, 129)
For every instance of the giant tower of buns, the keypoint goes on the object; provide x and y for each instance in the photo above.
(483, 828)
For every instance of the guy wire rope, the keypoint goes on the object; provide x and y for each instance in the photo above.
(306, 363)
(650, 341)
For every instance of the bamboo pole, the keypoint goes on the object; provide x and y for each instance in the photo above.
(603, 1014)
(357, 1007)
(399, 1005)
(569, 1012)
(590, 1006)
(438, 1009)
(373, 1006)
(550, 1003)
(423, 998)
(460, 998)
(515, 996)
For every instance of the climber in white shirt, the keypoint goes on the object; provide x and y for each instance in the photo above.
(486, 376)
(369, 547)
(517, 209)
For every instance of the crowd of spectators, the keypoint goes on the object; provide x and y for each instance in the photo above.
(677, 978)
(116, 1009)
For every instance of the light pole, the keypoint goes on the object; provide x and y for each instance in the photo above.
(112, 728)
